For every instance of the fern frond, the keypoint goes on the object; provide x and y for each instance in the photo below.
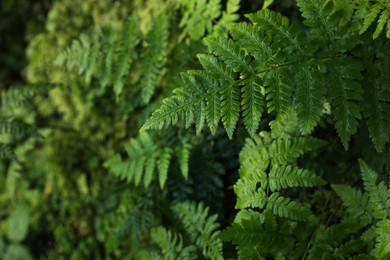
(201, 228)
(376, 109)
(229, 52)
(279, 91)
(281, 30)
(310, 93)
(382, 246)
(355, 201)
(183, 155)
(153, 56)
(256, 239)
(126, 53)
(197, 16)
(248, 236)
(248, 195)
(22, 95)
(144, 158)
(284, 151)
(228, 17)
(282, 177)
(16, 127)
(345, 92)
(163, 165)
(379, 194)
(371, 15)
(171, 246)
(316, 14)
(109, 47)
(251, 105)
(285, 207)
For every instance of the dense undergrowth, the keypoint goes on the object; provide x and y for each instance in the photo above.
(202, 129)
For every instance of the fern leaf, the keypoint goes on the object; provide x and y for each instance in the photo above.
(144, 157)
(248, 195)
(216, 69)
(163, 165)
(248, 236)
(171, 245)
(230, 106)
(284, 207)
(16, 127)
(317, 16)
(309, 97)
(355, 201)
(254, 158)
(201, 228)
(127, 53)
(279, 27)
(282, 177)
(382, 247)
(149, 170)
(376, 110)
(153, 56)
(109, 46)
(198, 17)
(371, 16)
(284, 151)
(228, 17)
(279, 91)
(229, 53)
(379, 194)
(345, 93)
(256, 42)
(183, 156)
(383, 19)
(251, 105)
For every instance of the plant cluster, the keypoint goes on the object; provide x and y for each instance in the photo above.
(201, 129)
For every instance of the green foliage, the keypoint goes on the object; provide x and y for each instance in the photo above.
(272, 58)
(144, 157)
(371, 12)
(288, 99)
(199, 232)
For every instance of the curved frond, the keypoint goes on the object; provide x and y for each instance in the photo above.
(282, 177)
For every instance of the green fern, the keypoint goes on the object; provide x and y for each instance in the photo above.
(382, 247)
(265, 171)
(171, 246)
(198, 239)
(198, 17)
(200, 228)
(145, 156)
(371, 12)
(368, 208)
(104, 54)
(153, 56)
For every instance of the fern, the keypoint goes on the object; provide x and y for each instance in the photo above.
(264, 172)
(200, 228)
(371, 12)
(198, 17)
(153, 56)
(368, 208)
(376, 109)
(379, 194)
(271, 62)
(382, 247)
(144, 157)
(104, 54)
(171, 246)
(199, 234)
